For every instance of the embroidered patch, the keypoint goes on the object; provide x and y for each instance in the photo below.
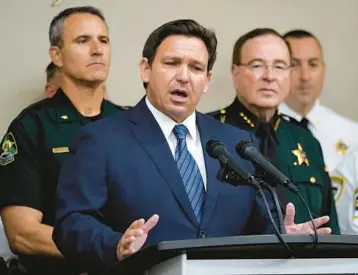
(8, 149)
(341, 148)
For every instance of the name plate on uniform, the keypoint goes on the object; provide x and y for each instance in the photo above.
(59, 150)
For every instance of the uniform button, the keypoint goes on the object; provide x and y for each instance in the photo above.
(313, 180)
(202, 234)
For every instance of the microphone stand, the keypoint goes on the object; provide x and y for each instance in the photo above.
(226, 174)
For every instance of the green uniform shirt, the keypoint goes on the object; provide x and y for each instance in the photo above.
(32, 151)
(299, 158)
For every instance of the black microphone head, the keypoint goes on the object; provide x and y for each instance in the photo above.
(241, 146)
(211, 145)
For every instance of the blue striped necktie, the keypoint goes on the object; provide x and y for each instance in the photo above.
(189, 172)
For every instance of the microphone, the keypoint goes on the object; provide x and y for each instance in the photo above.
(217, 150)
(248, 151)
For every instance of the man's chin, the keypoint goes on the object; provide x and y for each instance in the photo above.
(269, 103)
(179, 114)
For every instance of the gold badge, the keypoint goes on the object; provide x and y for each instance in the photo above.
(8, 149)
(60, 150)
(338, 184)
(64, 117)
(301, 155)
(341, 147)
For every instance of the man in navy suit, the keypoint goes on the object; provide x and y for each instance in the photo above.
(147, 162)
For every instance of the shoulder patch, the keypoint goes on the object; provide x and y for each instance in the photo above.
(338, 185)
(355, 217)
(8, 149)
(341, 147)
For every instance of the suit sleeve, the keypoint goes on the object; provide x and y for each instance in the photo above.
(80, 233)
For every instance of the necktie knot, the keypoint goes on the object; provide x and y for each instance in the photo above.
(304, 122)
(180, 131)
(265, 128)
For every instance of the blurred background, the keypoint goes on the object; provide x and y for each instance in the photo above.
(24, 44)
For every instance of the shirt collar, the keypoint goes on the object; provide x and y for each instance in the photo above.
(312, 116)
(285, 109)
(249, 119)
(67, 112)
(167, 124)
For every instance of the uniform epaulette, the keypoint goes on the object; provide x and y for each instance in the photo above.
(219, 115)
(222, 113)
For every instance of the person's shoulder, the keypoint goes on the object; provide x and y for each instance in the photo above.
(218, 114)
(32, 113)
(106, 124)
(222, 127)
(112, 105)
(291, 126)
(332, 116)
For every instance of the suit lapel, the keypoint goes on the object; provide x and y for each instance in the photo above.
(212, 167)
(149, 134)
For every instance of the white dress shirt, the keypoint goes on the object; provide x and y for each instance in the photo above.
(192, 139)
(334, 132)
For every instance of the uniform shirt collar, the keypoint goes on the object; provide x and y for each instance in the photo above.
(67, 112)
(312, 116)
(250, 119)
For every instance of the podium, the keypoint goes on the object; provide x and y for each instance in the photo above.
(263, 254)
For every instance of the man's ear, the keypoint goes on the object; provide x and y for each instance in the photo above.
(235, 72)
(145, 69)
(55, 55)
(210, 73)
(50, 90)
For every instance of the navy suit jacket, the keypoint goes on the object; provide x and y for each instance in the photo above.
(121, 169)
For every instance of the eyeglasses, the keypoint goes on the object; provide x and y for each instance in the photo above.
(259, 68)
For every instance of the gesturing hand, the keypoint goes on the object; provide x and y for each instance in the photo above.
(135, 236)
(304, 228)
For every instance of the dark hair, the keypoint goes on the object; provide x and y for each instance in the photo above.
(56, 26)
(51, 71)
(185, 27)
(298, 33)
(236, 56)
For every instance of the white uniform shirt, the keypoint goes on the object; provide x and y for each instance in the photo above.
(345, 180)
(336, 133)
